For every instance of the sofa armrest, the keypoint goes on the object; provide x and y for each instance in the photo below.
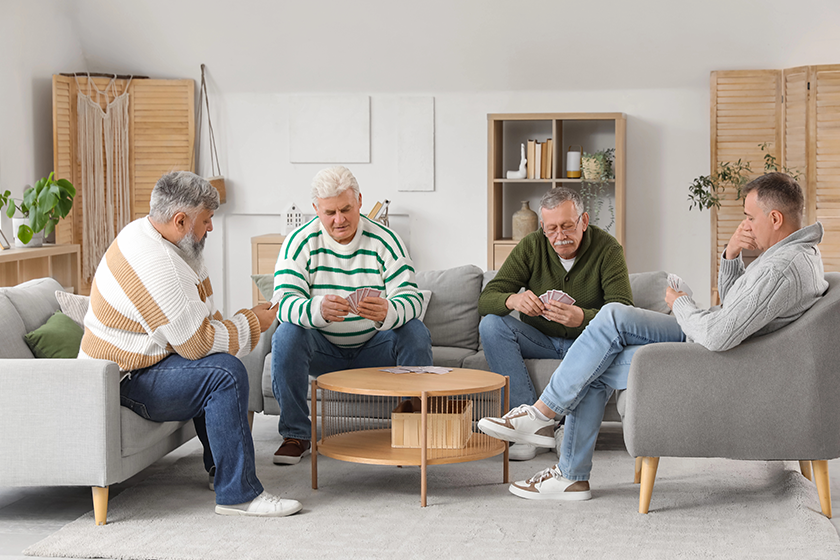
(767, 399)
(255, 363)
(59, 422)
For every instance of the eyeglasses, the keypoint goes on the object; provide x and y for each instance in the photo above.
(565, 229)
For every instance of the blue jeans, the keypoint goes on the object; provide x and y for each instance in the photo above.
(297, 353)
(596, 365)
(213, 392)
(507, 342)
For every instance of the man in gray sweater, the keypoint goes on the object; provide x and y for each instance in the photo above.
(772, 292)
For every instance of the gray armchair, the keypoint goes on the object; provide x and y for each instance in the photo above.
(773, 398)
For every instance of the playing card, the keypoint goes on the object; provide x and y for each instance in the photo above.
(679, 284)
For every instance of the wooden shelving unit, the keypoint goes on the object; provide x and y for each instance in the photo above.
(264, 251)
(505, 133)
(61, 262)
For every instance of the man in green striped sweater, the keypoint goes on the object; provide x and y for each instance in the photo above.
(319, 267)
(567, 253)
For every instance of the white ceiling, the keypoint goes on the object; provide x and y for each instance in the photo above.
(452, 45)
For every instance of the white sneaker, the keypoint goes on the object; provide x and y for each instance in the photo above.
(551, 485)
(520, 425)
(524, 451)
(264, 505)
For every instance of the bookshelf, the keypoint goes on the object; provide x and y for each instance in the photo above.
(505, 133)
(61, 262)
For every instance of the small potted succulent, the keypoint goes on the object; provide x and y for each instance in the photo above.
(41, 208)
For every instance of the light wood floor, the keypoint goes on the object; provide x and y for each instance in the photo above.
(28, 515)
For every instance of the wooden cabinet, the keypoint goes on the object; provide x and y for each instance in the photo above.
(57, 261)
(505, 134)
(264, 251)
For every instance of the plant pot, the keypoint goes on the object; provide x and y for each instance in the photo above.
(37, 239)
(593, 169)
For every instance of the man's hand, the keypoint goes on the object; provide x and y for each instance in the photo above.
(741, 239)
(266, 313)
(373, 308)
(334, 308)
(671, 296)
(526, 303)
(565, 314)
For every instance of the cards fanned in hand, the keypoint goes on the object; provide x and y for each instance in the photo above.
(679, 284)
(556, 295)
(356, 297)
(417, 369)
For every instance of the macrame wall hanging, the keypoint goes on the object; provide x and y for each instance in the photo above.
(103, 154)
(217, 179)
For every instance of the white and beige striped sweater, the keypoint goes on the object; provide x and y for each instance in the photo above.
(146, 303)
(311, 264)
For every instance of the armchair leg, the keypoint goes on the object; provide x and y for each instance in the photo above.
(805, 467)
(100, 504)
(637, 477)
(649, 466)
(823, 489)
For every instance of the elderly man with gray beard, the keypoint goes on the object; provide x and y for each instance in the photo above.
(151, 311)
(567, 253)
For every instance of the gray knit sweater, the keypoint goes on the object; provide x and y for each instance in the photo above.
(775, 290)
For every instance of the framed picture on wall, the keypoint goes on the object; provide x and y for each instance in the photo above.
(4, 243)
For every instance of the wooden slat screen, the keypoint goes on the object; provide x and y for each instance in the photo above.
(825, 93)
(745, 112)
(161, 136)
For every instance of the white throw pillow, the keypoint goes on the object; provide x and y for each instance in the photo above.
(73, 306)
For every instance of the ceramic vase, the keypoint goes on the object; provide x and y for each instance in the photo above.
(524, 221)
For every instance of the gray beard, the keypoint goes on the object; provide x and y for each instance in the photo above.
(193, 251)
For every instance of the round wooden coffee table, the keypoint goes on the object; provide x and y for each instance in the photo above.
(359, 423)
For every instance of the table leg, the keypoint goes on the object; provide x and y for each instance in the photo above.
(314, 413)
(424, 411)
(506, 471)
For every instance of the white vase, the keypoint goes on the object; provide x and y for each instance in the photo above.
(37, 239)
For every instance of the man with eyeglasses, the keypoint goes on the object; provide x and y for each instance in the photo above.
(567, 253)
(775, 290)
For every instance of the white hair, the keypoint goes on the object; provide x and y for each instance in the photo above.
(333, 181)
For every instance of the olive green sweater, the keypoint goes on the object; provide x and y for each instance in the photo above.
(599, 276)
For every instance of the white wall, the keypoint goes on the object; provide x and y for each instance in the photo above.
(667, 139)
(649, 59)
(37, 39)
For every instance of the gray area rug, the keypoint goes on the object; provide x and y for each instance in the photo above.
(700, 509)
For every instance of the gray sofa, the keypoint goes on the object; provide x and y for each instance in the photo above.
(452, 319)
(61, 423)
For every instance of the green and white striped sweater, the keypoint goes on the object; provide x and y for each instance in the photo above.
(311, 265)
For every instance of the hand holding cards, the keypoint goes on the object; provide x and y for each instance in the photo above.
(356, 298)
(679, 285)
(556, 295)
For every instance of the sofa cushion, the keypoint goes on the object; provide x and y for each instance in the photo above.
(73, 305)
(649, 290)
(12, 344)
(265, 284)
(138, 434)
(59, 337)
(452, 317)
(448, 356)
(34, 300)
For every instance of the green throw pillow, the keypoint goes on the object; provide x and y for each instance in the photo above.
(265, 284)
(59, 337)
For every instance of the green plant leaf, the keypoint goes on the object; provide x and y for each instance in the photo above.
(68, 186)
(25, 233)
(38, 220)
(10, 211)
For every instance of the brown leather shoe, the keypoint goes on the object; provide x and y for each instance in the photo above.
(291, 451)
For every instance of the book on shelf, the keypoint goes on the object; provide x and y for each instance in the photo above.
(538, 164)
(376, 208)
(549, 158)
(531, 158)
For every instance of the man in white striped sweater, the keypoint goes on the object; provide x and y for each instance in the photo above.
(320, 265)
(151, 311)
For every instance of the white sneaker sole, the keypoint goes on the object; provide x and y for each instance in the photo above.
(556, 496)
(287, 460)
(226, 510)
(501, 432)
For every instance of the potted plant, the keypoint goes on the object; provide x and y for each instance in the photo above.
(42, 207)
(597, 171)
